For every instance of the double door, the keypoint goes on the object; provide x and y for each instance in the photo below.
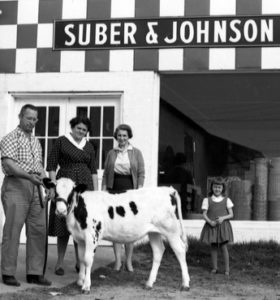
(54, 114)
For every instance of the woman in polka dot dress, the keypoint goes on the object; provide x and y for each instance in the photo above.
(75, 157)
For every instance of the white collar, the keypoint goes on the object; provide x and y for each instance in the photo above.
(129, 147)
(78, 145)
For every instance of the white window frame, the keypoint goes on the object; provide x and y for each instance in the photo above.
(68, 103)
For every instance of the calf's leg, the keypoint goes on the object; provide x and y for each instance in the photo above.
(179, 248)
(129, 253)
(158, 250)
(88, 261)
(118, 256)
(81, 253)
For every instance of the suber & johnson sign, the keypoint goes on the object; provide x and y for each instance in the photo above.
(167, 32)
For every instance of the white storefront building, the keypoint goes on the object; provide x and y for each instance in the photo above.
(118, 81)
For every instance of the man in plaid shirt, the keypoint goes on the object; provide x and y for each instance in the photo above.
(21, 156)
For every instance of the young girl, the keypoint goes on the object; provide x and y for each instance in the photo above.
(217, 231)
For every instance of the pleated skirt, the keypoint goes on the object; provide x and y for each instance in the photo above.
(219, 234)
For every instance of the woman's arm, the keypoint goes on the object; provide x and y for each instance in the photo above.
(105, 173)
(51, 191)
(52, 176)
(140, 170)
(95, 182)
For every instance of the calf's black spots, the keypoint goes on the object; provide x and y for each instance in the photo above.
(97, 230)
(80, 212)
(120, 211)
(133, 207)
(70, 197)
(98, 226)
(111, 212)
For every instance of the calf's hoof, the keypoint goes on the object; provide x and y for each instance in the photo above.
(148, 286)
(85, 292)
(185, 288)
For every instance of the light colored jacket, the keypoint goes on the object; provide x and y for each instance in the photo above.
(136, 164)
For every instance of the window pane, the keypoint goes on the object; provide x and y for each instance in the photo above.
(82, 111)
(42, 142)
(95, 116)
(53, 129)
(50, 145)
(107, 145)
(108, 121)
(96, 145)
(40, 128)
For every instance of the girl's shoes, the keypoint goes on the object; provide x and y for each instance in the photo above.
(117, 267)
(129, 268)
(215, 271)
(59, 271)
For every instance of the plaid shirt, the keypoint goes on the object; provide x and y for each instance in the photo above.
(27, 153)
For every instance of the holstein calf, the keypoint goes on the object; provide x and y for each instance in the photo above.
(123, 218)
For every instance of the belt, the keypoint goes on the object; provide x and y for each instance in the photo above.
(35, 173)
(122, 175)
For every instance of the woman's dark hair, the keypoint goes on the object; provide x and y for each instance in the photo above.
(218, 181)
(77, 120)
(123, 127)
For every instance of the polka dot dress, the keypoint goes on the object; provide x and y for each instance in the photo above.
(73, 163)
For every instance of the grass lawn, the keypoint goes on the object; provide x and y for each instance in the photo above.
(255, 274)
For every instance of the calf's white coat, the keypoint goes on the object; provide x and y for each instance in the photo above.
(123, 218)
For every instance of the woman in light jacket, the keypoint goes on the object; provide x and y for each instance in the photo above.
(124, 170)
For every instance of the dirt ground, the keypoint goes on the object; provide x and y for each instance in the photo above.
(107, 284)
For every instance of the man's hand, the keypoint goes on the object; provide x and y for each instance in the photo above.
(50, 193)
(35, 179)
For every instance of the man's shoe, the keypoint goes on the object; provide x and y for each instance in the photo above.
(10, 280)
(37, 279)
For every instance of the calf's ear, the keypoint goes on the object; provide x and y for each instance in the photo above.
(47, 182)
(80, 188)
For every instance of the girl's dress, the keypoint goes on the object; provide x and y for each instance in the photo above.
(221, 233)
(74, 163)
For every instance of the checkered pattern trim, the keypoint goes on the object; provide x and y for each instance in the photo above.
(26, 153)
(26, 37)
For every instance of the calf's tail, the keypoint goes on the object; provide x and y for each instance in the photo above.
(177, 197)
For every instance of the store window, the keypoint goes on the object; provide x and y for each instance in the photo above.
(177, 160)
(55, 112)
(47, 128)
